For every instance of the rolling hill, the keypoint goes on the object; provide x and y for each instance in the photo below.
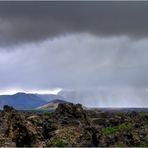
(53, 104)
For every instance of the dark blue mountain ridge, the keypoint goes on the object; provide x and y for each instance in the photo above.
(58, 101)
(23, 100)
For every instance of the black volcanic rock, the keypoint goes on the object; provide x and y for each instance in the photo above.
(74, 111)
(8, 108)
(24, 129)
(71, 125)
(75, 119)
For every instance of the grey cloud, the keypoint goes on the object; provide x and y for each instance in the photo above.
(76, 61)
(108, 97)
(29, 21)
(108, 73)
(76, 46)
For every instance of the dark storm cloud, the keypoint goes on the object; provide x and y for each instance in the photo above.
(95, 67)
(28, 21)
(76, 61)
(99, 46)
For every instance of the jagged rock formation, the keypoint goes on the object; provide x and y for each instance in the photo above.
(68, 123)
(74, 126)
(71, 125)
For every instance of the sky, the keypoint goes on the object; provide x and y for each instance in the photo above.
(80, 46)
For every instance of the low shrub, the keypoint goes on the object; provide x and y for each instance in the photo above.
(60, 143)
(47, 113)
(109, 130)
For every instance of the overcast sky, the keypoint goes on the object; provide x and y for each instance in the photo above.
(74, 45)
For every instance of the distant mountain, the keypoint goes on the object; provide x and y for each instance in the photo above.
(29, 101)
(51, 105)
(21, 101)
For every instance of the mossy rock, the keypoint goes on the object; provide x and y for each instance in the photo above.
(66, 136)
(60, 143)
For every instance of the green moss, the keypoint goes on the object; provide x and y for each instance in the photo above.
(128, 126)
(143, 114)
(118, 144)
(109, 130)
(60, 143)
(144, 144)
(47, 113)
(113, 129)
(118, 113)
(122, 126)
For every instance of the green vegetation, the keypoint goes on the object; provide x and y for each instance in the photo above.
(60, 143)
(122, 126)
(119, 144)
(109, 130)
(144, 144)
(118, 113)
(113, 129)
(47, 113)
(125, 126)
(143, 114)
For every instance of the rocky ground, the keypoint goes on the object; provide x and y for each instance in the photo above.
(71, 125)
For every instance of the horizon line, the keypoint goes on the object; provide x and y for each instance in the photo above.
(54, 91)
